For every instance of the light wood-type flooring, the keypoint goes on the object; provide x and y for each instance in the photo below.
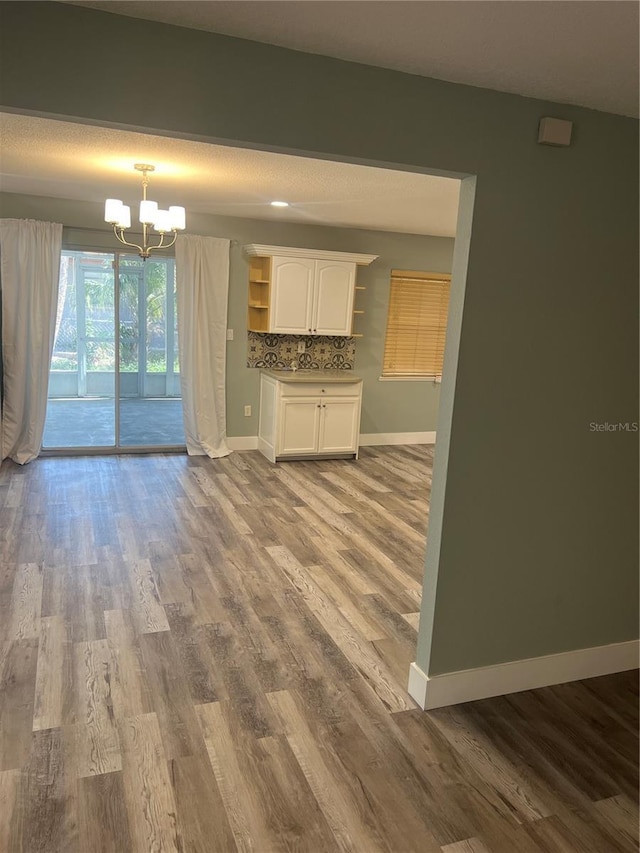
(212, 656)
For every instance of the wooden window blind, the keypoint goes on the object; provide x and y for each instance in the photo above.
(416, 323)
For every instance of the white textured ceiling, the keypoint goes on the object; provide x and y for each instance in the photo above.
(582, 52)
(65, 160)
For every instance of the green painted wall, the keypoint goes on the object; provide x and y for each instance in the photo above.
(538, 523)
(387, 406)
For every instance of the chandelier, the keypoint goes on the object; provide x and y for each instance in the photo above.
(163, 221)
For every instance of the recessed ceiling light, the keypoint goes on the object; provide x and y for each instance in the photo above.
(279, 204)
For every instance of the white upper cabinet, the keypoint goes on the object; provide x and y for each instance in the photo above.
(292, 295)
(335, 283)
(311, 297)
(302, 291)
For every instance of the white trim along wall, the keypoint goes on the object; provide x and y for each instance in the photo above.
(468, 685)
(250, 442)
(370, 439)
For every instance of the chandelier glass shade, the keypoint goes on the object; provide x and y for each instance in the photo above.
(165, 222)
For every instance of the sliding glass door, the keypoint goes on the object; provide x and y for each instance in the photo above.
(81, 407)
(150, 406)
(115, 378)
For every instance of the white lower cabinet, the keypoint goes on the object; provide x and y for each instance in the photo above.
(299, 426)
(308, 419)
(339, 426)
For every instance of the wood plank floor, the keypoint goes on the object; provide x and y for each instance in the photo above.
(212, 656)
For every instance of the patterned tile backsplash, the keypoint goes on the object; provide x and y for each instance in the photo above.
(323, 353)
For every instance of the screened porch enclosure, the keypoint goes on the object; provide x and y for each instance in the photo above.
(115, 375)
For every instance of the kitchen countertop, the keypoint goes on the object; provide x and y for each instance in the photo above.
(323, 376)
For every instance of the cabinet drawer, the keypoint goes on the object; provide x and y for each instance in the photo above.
(316, 389)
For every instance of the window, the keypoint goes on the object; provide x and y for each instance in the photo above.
(416, 324)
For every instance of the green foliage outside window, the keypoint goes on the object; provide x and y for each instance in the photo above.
(143, 290)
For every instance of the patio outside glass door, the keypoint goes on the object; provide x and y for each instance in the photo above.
(150, 405)
(115, 379)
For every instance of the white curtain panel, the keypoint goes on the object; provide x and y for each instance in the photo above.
(29, 268)
(202, 285)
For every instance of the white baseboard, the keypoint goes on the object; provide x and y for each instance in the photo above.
(250, 442)
(452, 688)
(243, 442)
(370, 439)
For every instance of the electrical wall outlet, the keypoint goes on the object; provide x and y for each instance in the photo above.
(302, 347)
(247, 411)
(229, 334)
